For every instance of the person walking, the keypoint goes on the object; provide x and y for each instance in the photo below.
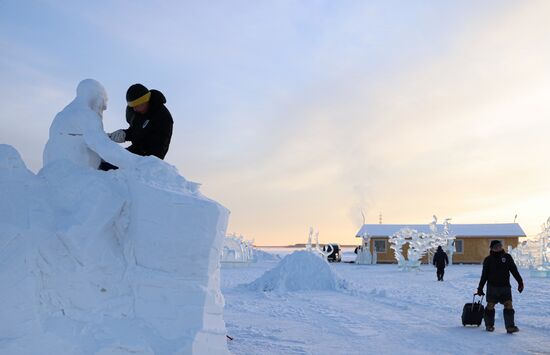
(497, 268)
(440, 260)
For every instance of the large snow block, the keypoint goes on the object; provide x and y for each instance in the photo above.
(121, 262)
(176, 244)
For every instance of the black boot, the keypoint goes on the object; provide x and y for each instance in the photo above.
(489, 318)
(509, 321)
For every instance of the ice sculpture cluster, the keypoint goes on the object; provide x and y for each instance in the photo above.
(419, 244)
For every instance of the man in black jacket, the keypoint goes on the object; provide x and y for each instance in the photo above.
(496, 272)
(440, 261)
(150, 123)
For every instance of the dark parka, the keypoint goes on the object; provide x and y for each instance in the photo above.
(496, 270)
(440, 259)
(151, 132)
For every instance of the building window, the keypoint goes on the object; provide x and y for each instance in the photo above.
(459, 246)
(380, 246)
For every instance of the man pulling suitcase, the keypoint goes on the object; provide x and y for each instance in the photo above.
(496, 272)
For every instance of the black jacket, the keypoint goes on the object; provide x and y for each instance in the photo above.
(440, 259)
(496, 270)
(150, 133)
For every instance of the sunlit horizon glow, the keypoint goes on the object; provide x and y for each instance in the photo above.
(298, 114)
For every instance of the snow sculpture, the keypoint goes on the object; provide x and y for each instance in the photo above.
(94, 262)
(364, 255)
(77, 135)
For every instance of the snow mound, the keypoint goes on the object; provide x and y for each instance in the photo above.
(299, 271)
(93, 262)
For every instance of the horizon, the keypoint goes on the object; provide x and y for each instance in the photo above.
(296, 115)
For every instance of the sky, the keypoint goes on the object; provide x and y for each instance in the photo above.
(298, 114)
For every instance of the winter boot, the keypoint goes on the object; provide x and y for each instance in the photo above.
(509, 321)
(489, 318)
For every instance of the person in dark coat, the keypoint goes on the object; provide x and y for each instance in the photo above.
(496, 273)
(440, 260)
(150, 123)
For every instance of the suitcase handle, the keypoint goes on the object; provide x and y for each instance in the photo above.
(473, 300)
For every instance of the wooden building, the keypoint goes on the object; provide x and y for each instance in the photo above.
(471, 243)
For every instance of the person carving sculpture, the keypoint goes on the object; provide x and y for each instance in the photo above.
(150, 123)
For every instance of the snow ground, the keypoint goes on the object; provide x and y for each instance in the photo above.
(383, 311)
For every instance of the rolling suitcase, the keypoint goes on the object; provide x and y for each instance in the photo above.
(472, 313)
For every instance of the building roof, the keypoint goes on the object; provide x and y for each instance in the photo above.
(502, 230)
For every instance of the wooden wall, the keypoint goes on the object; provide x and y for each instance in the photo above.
(475, 249)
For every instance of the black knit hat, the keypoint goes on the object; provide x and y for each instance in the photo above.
(495, 242)
(135, 92)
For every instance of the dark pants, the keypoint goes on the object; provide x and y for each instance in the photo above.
(106, 166)
(440, 273)
(496, 294)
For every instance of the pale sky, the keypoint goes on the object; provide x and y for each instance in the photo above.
(301, 113)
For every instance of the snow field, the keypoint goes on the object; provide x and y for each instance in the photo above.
(383, 310)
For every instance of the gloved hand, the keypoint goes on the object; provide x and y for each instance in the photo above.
(480, 292)
(520, 287)
(118, 136)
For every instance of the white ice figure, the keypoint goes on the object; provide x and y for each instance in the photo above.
(364, 256)
(120, 262)
(325, 251)
(77, 134)
(236, 250)
(448, 239)
(522, 255)
(545, 245)
(443, 238)
(418, 245)
(309, 239)
(397, 241)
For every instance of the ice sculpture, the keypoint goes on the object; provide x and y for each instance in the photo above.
(543, 267)
(522, 255)
(419, 244)
(443, 238)
(364, 256)
(237, 250)
(397, 241)
(119, 262)
(317, 248)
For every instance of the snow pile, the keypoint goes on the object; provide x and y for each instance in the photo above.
(119, 262)
(299, 271)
